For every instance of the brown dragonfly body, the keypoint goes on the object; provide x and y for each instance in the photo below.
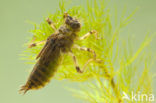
(49, 57)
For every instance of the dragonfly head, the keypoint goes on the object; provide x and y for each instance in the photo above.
(71, 22)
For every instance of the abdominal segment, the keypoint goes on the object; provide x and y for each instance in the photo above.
(40, 75)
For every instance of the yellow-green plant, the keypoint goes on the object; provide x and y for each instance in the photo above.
(122, 69)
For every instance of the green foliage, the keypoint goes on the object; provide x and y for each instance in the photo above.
(122, 69)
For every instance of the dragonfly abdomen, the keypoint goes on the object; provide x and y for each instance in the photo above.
(41, 75)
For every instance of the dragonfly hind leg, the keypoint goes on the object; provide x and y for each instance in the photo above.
(75, 63)
(91, 59)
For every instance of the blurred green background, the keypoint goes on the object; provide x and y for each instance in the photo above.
(14, 33)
